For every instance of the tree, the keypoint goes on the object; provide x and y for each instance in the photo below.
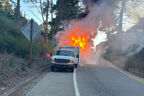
(127, 11)
(43, 7)
(10, 12)
(51, 11)
(120, 27)
(65, 10)
(6, 6)
(47, 16)
(18, 11)
(17, 5)
(135, 10)
(6, 9)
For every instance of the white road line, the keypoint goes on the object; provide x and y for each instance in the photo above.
(75, 83)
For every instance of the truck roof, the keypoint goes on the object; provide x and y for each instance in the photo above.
(69, 46)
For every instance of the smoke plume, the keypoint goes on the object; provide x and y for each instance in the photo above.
(99, 16)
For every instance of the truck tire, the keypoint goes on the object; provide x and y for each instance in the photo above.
(76, 65)
(52, 69)
(72, 70)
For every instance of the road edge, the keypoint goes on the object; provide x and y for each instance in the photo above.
(77, 93)
(17, 86)
(128, 74)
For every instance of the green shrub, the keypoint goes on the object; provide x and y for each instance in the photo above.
(136, 62)
(141, 69)
(11, 62)
(23, 67)
(129, 63)
(39, 46)
(13, 41)
(110, 57)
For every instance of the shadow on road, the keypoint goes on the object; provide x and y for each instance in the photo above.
(62, 71)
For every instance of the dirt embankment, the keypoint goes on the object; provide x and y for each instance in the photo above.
(133, 64)
(14, 70)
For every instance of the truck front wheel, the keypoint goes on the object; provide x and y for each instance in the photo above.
(72, 69)
(75, 65)
(52, 69)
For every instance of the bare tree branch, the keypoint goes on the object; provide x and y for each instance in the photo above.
(36, 16)
(13, 2)
(36, 7)
(41, 11)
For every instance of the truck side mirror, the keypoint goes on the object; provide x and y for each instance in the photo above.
(50, 54)
(77, 56)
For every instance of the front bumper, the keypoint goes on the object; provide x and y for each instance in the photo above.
(59, 65)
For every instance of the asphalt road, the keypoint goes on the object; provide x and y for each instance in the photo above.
(54, 84)
(104, 80)
(101, 79)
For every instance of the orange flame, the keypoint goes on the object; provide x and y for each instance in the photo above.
(76, 36)
(78, 41)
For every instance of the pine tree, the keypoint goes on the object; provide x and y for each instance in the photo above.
(65, 10)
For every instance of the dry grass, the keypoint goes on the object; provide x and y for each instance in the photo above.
(12, 72)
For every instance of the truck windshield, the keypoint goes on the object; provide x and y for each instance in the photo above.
(65, 53)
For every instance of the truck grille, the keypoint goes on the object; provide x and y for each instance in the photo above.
(61, 60)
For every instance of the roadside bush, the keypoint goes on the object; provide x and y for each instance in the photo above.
(13, 41)
(39, 47)
(11, 63)
(129, 63)
(136, 62)
(110, 56)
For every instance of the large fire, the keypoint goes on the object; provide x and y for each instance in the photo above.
(78, 41)
(82, 31)
(76, 37)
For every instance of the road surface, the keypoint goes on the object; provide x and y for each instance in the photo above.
(101, 79)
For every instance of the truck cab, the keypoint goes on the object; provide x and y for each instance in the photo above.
(65, 57)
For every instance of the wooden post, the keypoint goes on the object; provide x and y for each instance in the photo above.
(18, 11)
(31, 33)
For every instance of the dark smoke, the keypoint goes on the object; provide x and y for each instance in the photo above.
(95, 17)
(90, 3)
(82, 15)
(87, 3)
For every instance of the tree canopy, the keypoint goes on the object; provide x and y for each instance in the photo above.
(64, 10)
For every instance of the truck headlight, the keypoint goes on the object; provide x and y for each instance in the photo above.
(52, 61)
(71, 62)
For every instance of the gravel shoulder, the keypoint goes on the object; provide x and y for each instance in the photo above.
(14, 70)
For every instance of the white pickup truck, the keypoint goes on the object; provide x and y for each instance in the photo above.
(65, 57)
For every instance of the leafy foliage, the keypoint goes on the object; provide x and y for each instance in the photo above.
(11, 38)
(136, 62)
(11, 63)
(110, 57)
(64, 10)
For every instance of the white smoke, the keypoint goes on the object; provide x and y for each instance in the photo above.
(99, 17)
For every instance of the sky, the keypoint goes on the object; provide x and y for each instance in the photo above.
(30, 11)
